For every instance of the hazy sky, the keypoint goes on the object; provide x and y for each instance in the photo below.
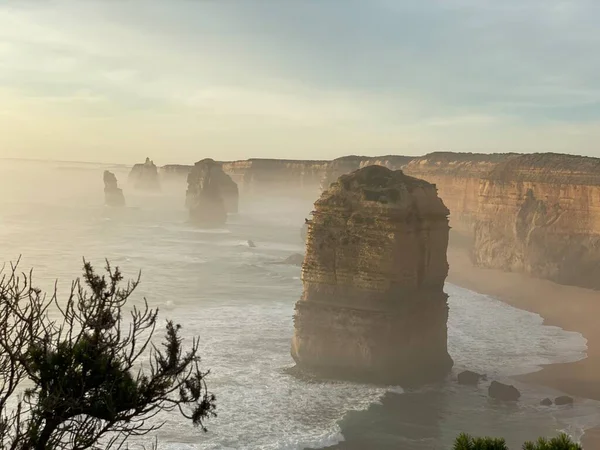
(116, 80)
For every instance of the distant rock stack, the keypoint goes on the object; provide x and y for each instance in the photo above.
(373, 306)
(209, 169)
(211, 194)
(145, 176)
(113, 196)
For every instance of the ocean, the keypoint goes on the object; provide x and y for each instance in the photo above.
(240, 301)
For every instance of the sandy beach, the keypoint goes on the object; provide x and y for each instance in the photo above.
(571, 308)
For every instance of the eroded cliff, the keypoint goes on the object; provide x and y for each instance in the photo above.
(373, 305)
(540, 214)
(457, 177)
(276, 176)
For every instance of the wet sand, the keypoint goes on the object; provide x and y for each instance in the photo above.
(571, 308)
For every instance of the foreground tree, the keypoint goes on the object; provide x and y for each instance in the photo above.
(80, 374)
(466, 442)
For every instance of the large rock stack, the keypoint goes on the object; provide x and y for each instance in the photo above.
(145, 176)
(211, 194)
(113, 196)
(373, 306)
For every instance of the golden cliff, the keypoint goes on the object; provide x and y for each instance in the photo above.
(373, 305)
(540, 214)
(457, 177)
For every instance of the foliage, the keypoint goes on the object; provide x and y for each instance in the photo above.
(466, 442)
(72, 373)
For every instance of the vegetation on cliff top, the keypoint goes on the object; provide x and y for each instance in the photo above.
(466, 442)
(73, 373)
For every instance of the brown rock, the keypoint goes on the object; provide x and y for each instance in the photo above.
(563, 400)
(546, 402)
(504, 392)
(373, 305)
(470, 378)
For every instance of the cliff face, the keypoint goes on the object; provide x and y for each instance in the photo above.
(347, 164)
(457, 177)
(540, 214)
(145, 176)
(174, 173)
(210, 194)
(373, 305)
(276, 175)
(113, 196)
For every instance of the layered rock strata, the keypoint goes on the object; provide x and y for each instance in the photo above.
(457, 177)
(113, 196)
(347, 164)
(373, 305)
(208, 188)
(145, 176)
(540, 214)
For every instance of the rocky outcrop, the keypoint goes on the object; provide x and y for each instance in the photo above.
(503, 392)
(145, 176)
(208, 170)
(373, 305)
(457, 177)
(204, 198)
(113, 196)
(563, 400)
(470, 378)
(540, 214)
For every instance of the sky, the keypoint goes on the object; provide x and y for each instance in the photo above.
(180, 80)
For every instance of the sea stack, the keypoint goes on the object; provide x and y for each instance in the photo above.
(208, 169)
(113, 196)
(145, 176)
(208, 189)
(373, 306)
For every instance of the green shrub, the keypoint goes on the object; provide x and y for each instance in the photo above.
(561, 442)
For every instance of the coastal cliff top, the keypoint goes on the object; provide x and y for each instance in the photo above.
(549, 168)
(457, 164)
(378, 186)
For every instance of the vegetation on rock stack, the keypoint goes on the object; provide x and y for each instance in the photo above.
(71, 371)
(466, 442)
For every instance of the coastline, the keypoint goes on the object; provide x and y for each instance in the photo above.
(568, 307)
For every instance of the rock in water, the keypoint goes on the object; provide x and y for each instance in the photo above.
(294, 260)
(227, 187)
(373, 306)
(113, 196)
(563, 400)
(145, 176)
(546, 402)
(504, 392)
(204, 197)
(470, 378)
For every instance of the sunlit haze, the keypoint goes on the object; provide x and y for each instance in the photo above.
(181, 80)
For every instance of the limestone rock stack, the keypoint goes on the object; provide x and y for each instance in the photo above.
(145, 176)
(211, 194)
(208, 169)
(113, 196)
(373, 305)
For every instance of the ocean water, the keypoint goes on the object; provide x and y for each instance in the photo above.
(239, 301)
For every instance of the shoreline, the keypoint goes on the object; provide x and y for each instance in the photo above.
(568, 307)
